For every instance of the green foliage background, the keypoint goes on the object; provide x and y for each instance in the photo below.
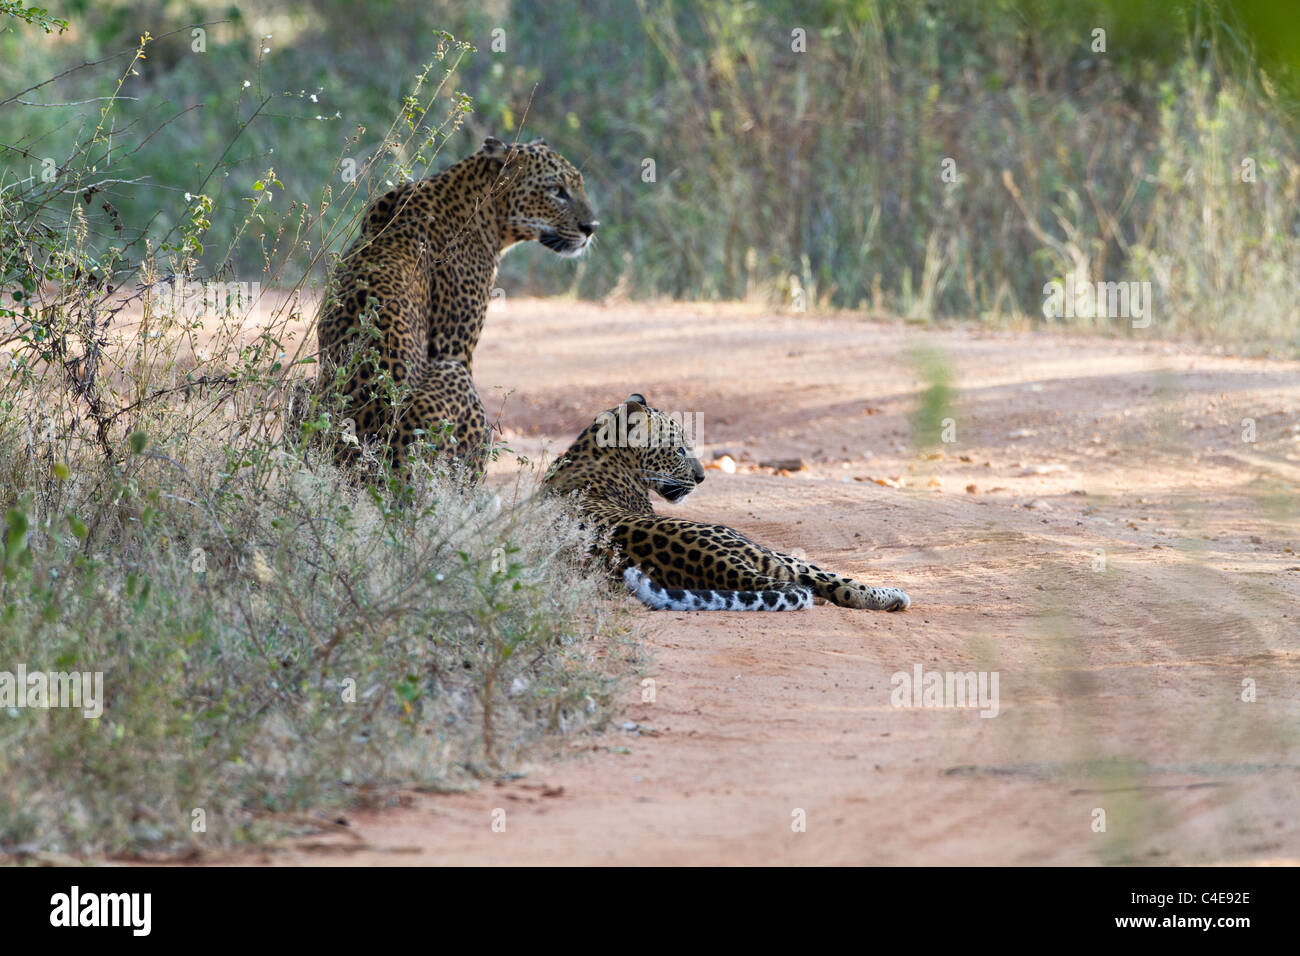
(777, 173)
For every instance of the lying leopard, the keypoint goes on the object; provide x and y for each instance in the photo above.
(422, 269)
(676, 564)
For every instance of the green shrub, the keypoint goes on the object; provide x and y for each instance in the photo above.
(274, 637)
(273, 640)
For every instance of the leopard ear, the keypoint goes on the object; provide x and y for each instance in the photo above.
(538, 142)
(636, 398)
(493, 148)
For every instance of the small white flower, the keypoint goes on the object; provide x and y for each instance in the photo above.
(262, 569)
(189, 198)
(439, 577)
(313, 97)
(266, 49)
(247, 84)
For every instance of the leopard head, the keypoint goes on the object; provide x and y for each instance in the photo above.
(654, 444)
(540, 195)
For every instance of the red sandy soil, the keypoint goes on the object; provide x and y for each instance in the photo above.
(1120, 686)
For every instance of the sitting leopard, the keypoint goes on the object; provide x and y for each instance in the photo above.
(422, 267)
(676, 564)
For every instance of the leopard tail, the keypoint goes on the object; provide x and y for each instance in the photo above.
(787, 598)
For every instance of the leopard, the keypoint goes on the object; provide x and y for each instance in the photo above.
(408, 298)
(677, 564)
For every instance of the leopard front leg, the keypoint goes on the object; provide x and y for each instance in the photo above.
(849, 593)
(836, 588)
(679, 553)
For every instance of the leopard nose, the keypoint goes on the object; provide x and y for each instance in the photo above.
(589, 227)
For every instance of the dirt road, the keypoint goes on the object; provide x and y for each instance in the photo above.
(1112, 530)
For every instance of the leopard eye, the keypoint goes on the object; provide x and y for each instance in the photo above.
(560, 193)
(681, 450)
